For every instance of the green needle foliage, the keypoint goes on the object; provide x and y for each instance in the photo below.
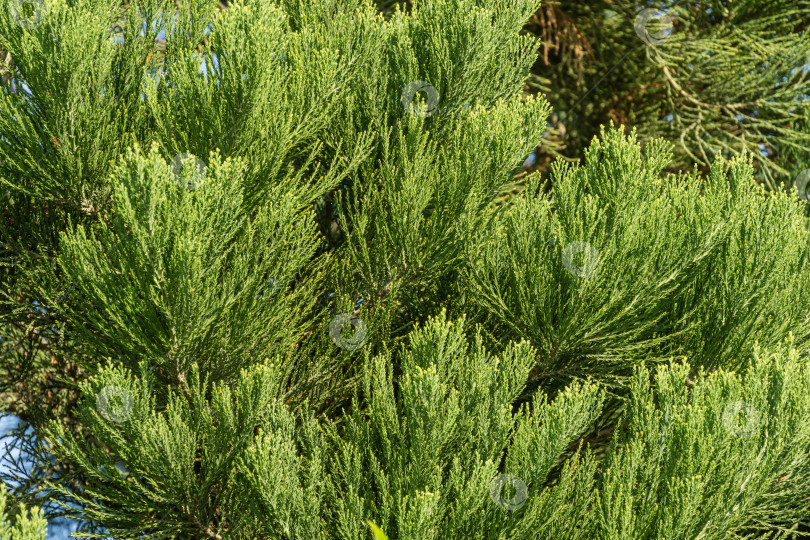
(26, 527)
(679, 266)
(261, 280)
(722, 457)
(181, 274)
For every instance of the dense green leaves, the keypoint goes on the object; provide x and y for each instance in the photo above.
(25, 528)
(198, 242)
(725, 459)
(438, 452)
(179, 275)
(687, 266)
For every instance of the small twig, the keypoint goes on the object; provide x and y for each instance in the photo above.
(604, 434)
(182, 378)
(401, 272)
(730, 106)
(207, 530)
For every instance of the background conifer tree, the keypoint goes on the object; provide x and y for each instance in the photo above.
(260, 280)
(712, 77)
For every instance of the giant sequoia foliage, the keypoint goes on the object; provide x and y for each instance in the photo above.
(259, 280)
